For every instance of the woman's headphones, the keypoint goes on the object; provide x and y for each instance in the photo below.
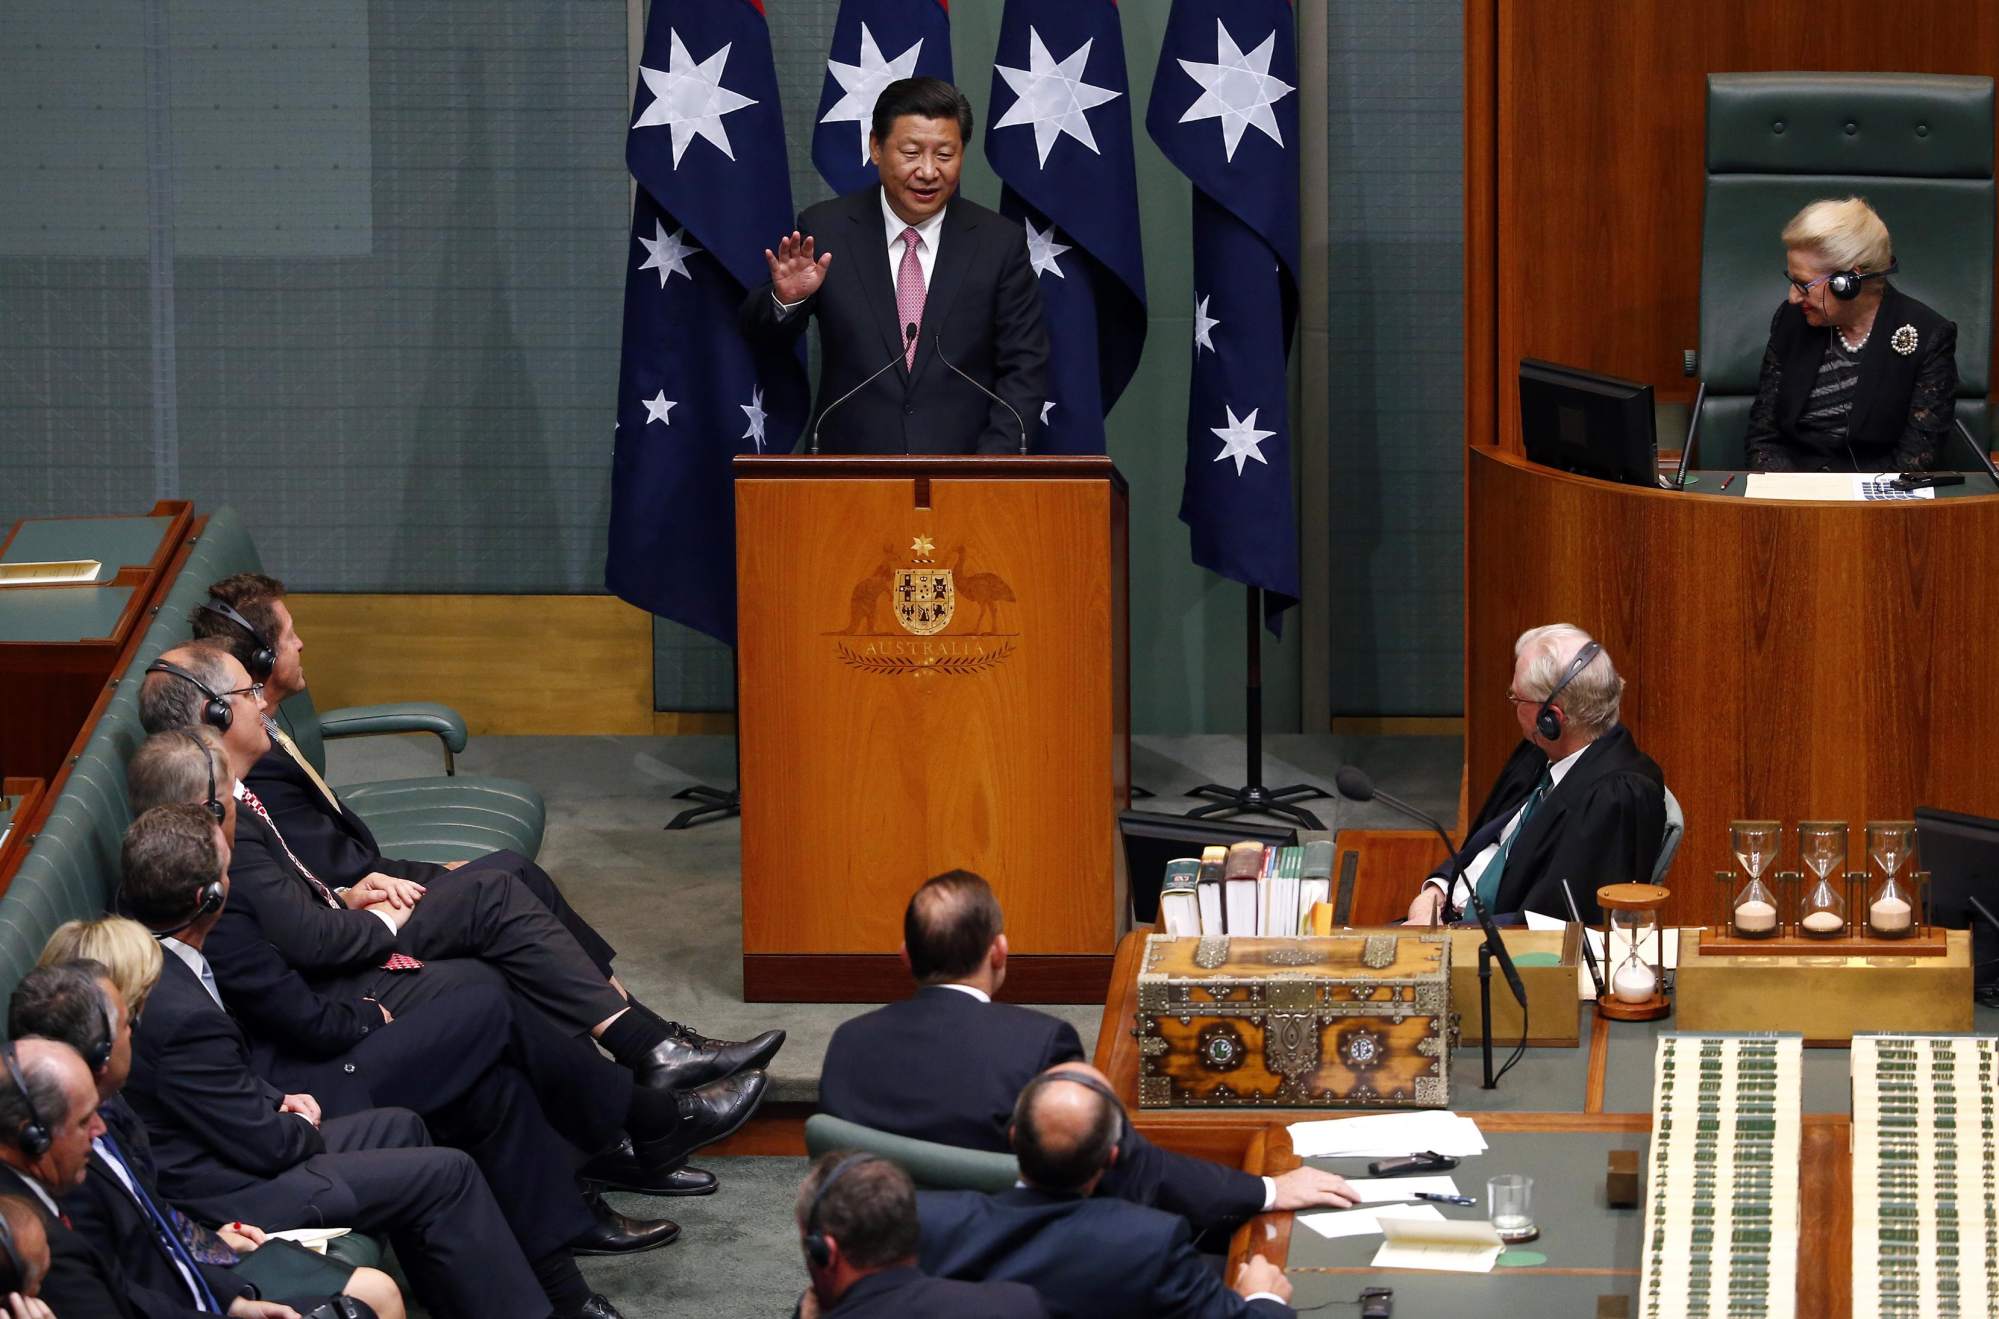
(263, 659)
(34, 1137)
(1547, 719)
(1845, 284)
(216, 711)
(817, 1252)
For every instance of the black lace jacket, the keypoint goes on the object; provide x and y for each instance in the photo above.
(1902, 406)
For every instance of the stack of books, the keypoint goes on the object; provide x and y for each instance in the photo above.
(1248, 888)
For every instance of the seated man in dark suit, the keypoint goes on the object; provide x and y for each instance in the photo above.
(229, 1145)
(367, 940)
(359, 1053)
(1577, 800)
(48, 1117)
(931, 313)
(24, 1259)
(173, 1268)
(856, 1217)
(948, 1064)
(1090, 1256)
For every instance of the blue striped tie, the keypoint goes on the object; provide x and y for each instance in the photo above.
(169, 1240)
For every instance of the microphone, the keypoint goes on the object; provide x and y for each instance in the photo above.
(908, 336)
(938, 341)
(1355, 785)
(1576, 915)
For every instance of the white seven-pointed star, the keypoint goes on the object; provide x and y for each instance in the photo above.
(1047, 408)
(754, 410)
(1204, 325)
(690, 100)
(669, 252)
(1052, 96)
(1042, 249)
(861, 84)
(657, 407)
(1237, 89)
(1240, 437)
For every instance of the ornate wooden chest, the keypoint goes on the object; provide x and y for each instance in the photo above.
(1342, 1021)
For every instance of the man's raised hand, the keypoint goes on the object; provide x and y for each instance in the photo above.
(794, 274)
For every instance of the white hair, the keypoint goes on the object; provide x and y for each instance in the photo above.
(1848, 233)
(1589, 703)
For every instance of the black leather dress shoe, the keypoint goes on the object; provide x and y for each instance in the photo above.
(707, 1115)
(615, 1234)
(685, 1060)
(599, 1307)
(619, 1169)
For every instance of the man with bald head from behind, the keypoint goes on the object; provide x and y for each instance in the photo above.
(1090, 1256)
(25, 1261)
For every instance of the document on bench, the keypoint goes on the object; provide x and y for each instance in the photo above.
(1835, 486)
(1377, 1190)
(1386, 1136)
(1453, 1245)
(1364, 1222)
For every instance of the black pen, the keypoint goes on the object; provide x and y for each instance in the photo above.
(1435, 1198)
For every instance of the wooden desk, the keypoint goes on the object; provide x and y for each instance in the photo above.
(1825, 1247)
(60, 645)
(1783, 660)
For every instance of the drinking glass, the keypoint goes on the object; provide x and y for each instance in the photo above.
(1511, 1196)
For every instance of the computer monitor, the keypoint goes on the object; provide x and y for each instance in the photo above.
(1151, 840)
(1589, 424)
(1961, 852)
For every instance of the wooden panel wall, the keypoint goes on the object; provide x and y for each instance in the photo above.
(1584, 165)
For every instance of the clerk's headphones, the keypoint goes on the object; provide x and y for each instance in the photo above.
(215, 711)
(211, 803)
(817, 1252)
(33, 1138)
(1547, 719)
(263, 659)
(1845, 284)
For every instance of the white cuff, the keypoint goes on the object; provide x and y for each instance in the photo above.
(384, 917)
(1269, 1194)
(1264, 1296)
(784, 309)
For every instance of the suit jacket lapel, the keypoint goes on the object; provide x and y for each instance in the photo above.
(1873, 366)
(870, 256)
(1800, 369)
(954, 255)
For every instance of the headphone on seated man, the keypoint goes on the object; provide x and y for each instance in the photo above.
(1548, 720)
(265, 657)
(818, 1251)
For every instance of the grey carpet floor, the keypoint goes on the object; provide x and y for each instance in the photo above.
(671, 903)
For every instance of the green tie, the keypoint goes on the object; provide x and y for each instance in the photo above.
(1488, 882)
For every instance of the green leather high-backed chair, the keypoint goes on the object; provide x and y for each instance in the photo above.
(1918, 147)
(931, 1166)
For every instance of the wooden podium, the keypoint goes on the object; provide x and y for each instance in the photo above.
(931, 659)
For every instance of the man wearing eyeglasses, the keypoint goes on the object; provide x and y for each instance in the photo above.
(1577, 800)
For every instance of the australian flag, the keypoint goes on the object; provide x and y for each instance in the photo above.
(707, 149)
(1060, 139)
(1225, 111)
(875, 43)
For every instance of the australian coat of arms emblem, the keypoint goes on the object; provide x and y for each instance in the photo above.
(901, 615)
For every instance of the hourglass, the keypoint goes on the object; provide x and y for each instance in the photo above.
(1822, 844)
(1753, 914)
(1891, 906)
(1634, 947)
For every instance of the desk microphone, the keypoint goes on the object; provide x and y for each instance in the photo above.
(1576, 915)
(938, 341)
(1355, 785)
(908, 337)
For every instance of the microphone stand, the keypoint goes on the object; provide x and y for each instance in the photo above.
(1493, 949)
(712, 804)
(1253, 798)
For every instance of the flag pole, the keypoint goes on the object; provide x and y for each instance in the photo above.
(716, 803)
(1253, 798)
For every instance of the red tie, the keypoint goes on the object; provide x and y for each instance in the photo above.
(396, 961)
(909, 292)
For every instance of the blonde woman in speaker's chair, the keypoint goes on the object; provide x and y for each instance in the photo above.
(1858, 376)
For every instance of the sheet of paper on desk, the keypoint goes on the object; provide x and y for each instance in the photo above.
(1374, 1190)
(1620, 948)
(1363, 1222)
(1838, 486)
(1387, 1136)
(1456, 1245)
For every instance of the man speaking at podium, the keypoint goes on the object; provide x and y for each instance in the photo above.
(929, 317)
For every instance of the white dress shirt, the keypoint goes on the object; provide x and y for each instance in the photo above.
(1461, 895)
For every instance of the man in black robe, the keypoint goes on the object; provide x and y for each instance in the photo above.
(1577, 799)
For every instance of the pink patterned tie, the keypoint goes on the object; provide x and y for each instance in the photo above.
(909, 293)
(396, 961)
